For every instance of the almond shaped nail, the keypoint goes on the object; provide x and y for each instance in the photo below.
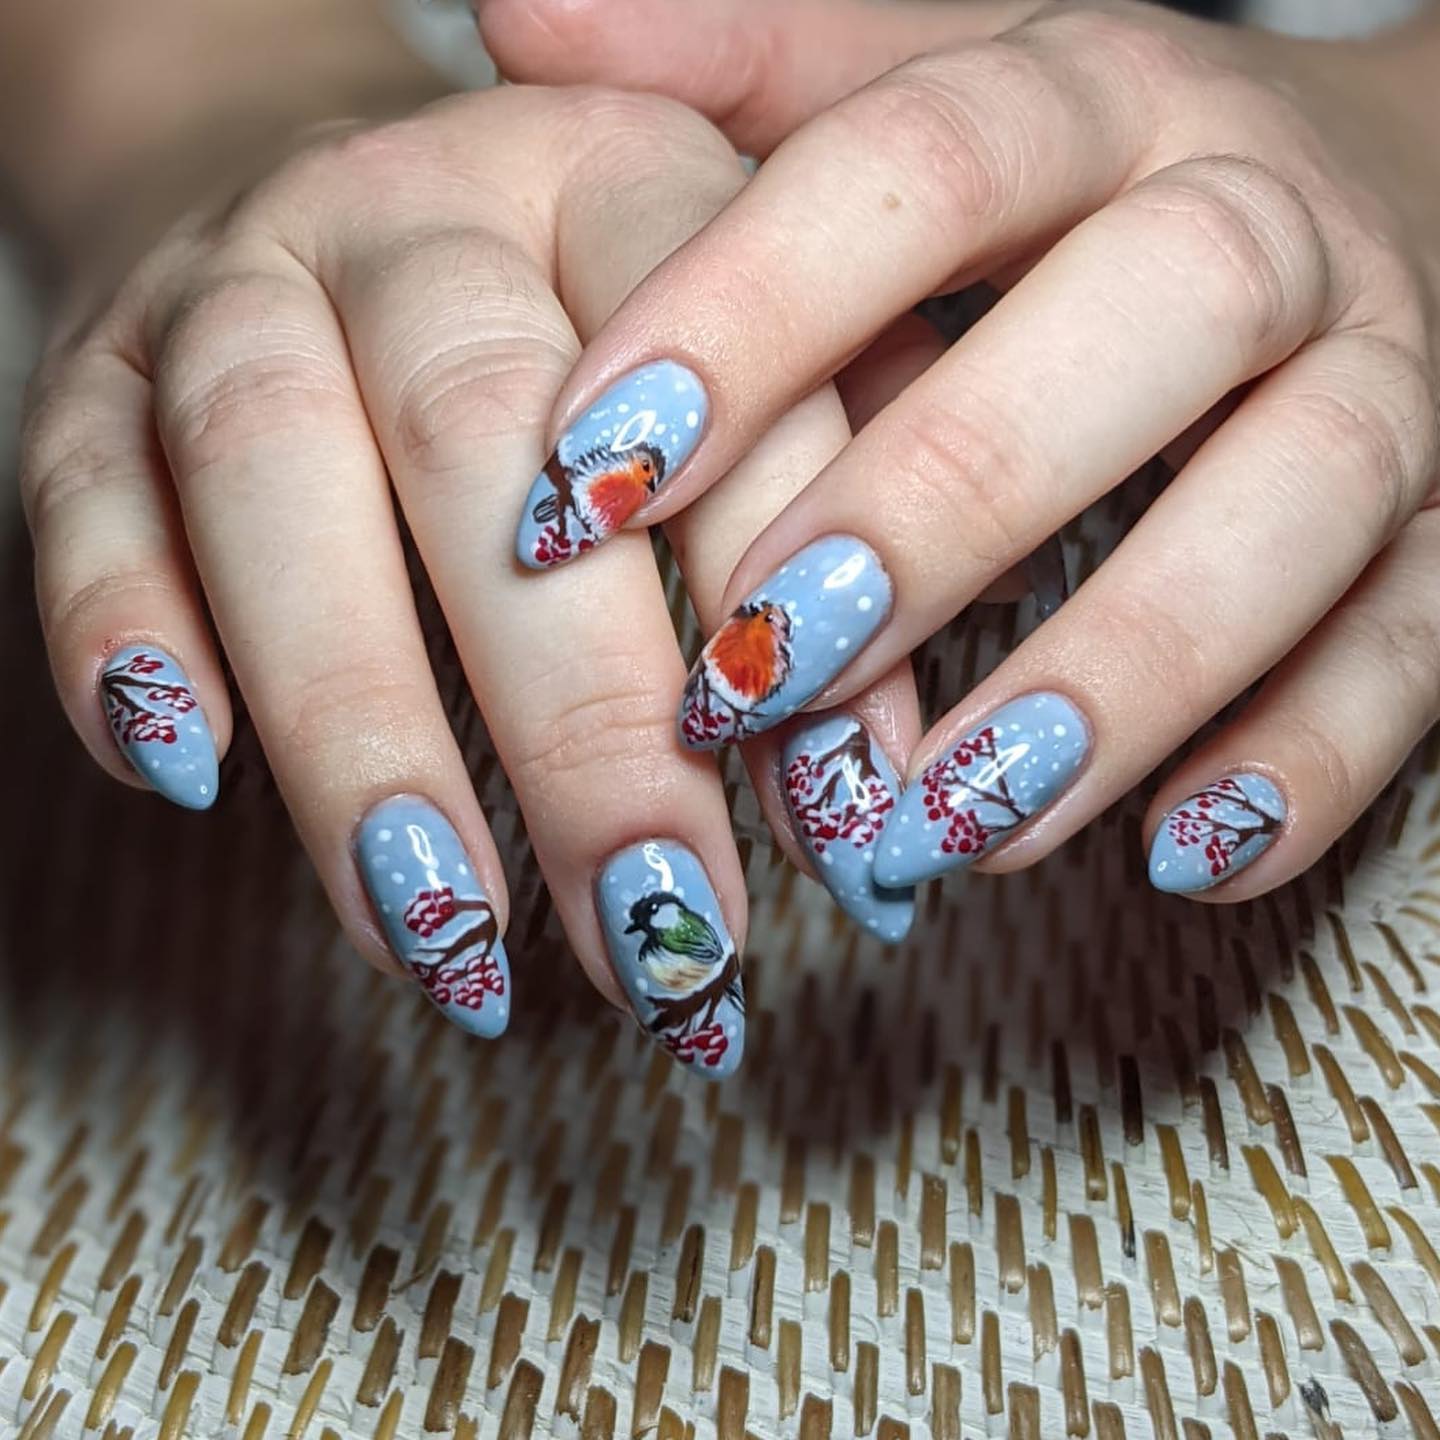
(617, 455)
(439, 922)
(1216, 832)
(789, 639)
(983, 788)
(673, 955)
(840, 786)
(158, 724)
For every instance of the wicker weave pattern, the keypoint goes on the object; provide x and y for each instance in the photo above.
(1078, 1160)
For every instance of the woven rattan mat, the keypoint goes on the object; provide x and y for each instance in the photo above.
(1078, 1159)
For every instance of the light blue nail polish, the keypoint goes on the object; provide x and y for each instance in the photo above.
(156, 719)
(628, 444)
(1216, 832)
(793, 635)
(673, 955)
(440, 925)
(840, 786)
(983, 789)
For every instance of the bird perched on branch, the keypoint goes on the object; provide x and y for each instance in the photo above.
(600, 490)
(680, 951)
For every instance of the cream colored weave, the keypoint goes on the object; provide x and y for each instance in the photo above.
(1078, 1159)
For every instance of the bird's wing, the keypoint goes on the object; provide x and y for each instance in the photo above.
(695, 936)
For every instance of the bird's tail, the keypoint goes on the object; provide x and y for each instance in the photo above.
(547, 508)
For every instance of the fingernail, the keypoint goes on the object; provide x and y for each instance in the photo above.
(983, 789)
(1216, 832)
(673, 955)
(840, 786)
(793, 635)
(440, 925)
(628, 444)
(159, 726)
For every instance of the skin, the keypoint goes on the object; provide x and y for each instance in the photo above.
(317, 318)
(1215, 244)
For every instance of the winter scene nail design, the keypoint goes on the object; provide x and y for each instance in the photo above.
(159, 726)
(840, 786)
(1215, 833)
(793, 635)
(673, 955)
(439, 923)
(981, 790)
(611, 461)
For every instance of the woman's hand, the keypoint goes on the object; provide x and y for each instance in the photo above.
(1211, 240)
(398, 306)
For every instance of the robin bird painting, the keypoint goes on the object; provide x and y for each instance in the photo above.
(690, 969)
(747, 660)
(600, 490)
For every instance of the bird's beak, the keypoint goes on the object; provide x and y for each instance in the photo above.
(633, 928)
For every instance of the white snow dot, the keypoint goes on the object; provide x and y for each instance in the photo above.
(641, 984)
(904, 820)
(865, 602)
(397, 877)
(384, 909)
(1059, 732)
(682, 387)
(380, 861)
(384, 836)
(692, 419)
(803, 573)
(843, 642)
(462, 869)
(622, 409)
(659, 429)
(827, 859)
(154, 764)
(873, 923)
(204, 789)
(895, 850)
(194, 729)
(867, 854)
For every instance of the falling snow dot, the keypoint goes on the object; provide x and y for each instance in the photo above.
(384, 909)
(1059, 732)
(692, 419)
(380, 861)
(204, 789)
(867, 855)
(895, 850)
(827, 859)
(154, 764)
(803, 573)
(462, 869)
(622, 409)
(865, 602)
(397, 877)
(682, 387)
(384, 836)
(843, 643)
(904, 820)
(659, 429)
(194, 729)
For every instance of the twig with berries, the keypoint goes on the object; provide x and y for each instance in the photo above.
(122, 692)
(1221, 818)
(952, 795)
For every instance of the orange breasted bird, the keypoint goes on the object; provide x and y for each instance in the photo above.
(600, 490)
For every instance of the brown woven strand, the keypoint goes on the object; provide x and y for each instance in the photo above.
(1077, 1160)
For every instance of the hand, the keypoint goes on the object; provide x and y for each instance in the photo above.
(1215, 241)
(387, 308)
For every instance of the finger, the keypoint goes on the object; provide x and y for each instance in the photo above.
(460, 342)
(1026, 421)
(288, 512)
(756, 322)
(1268, 795)
(1338, 445)
(756, 69)
(709, 538)
(123, 621)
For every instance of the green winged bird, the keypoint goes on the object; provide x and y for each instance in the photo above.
(692, 970)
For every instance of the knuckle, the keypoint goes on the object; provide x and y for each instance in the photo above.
(491, 373)
(1403, 642)
(1143, 47)
(71, 614)
(965, 121)
(640, 124)
(1382, 436)
(1247, 239)
(1166, 653)
(1326, 756)
(240, 363)
(317, 715)
(613, 731)
(965, 472)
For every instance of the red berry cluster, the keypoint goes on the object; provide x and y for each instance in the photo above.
(177, 697)
(702, 726)
(552, 546)
(706, 1045)
(429, 910)
(944, 789)
(858, 821)
(462, 982)
(143, 664)
(142, 727)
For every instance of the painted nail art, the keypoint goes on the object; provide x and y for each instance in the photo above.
(789, 639)
(159, 726)
(672, 953)
(1216, 832)
(981, 790)
(629, 443)
(440, 925)
(840, 786)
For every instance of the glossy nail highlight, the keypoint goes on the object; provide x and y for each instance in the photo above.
(628, 444)
(983, 789)
(1216, 832)
(159, 726)
(440, 925)
(673, 955)
(840, 786)
(793, 635)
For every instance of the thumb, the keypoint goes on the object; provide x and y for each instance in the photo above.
(756, 68)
